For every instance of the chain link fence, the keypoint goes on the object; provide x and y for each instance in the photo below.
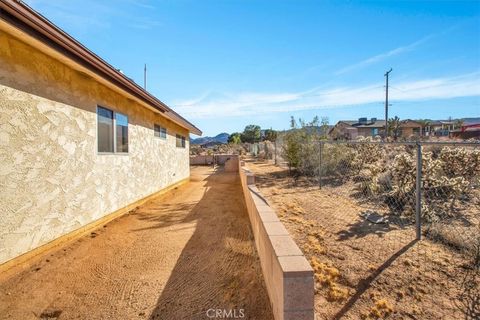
(435, 186)
(268, 150)
(399, 224)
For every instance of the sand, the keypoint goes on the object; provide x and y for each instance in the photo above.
(176, 257)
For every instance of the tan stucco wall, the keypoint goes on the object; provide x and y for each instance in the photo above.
(407, 129)
(52, 181)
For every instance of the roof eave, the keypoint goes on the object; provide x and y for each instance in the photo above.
(33, 23)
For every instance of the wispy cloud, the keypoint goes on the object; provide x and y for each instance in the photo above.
(83, 16)
(257, 103)
(141, 3)
(383, 56)
(194, 101)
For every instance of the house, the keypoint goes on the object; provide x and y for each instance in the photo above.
(80, 143)
(439, 128)
(410, 128)
(469, 130)
(351, 129)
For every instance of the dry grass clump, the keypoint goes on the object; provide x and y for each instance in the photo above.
(294, 208)
(274, 191)
(297, 220)
(313, 246)
(381, 310)
(327, 277)
(335, 293)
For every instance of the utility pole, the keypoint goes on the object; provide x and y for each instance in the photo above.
(145, 77)
(386, 103)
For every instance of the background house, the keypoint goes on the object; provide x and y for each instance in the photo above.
(409, 128)
(79, 140)
(351, 129)
(439, 128)
(364, 127)
(470, 129)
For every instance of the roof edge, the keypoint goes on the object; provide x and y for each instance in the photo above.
(33, 23)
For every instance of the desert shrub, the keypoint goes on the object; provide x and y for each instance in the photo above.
(309, 155)
(269, 149)
(291, 149)
(445, 177)
(457, 162)
(300, 147)
(403, 173)
(336, 160)
(387, 173)
(448, 174)
(366, 153)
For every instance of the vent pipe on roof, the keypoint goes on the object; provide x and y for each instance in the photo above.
(145, 77)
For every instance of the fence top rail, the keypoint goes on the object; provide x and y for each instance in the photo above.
(412, 143)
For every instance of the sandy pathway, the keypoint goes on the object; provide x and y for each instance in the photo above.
(173, 258)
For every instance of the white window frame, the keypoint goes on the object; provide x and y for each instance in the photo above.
(183, 139)
(161, 128)
(114, 133)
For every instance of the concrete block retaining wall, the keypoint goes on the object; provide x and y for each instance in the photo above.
(204, 159)
(232, 165)
(287, 273)
(200, 160)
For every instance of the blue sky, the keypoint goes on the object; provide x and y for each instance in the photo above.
(226, 64)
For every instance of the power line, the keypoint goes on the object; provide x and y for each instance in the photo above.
(401, 90)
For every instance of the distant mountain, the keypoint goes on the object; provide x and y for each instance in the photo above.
(220, 138)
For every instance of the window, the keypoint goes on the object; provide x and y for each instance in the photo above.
(160, 132)
(180, 141)
(105, 130)
(112, 131)
(121, 124)
(374, 131)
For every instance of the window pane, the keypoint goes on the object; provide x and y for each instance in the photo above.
(179, 141)
(104, 130)
(163, 133)
(156, 130)
(122, 132)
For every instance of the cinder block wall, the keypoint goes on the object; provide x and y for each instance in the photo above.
(220, 159)
(52, 181)
(200, 160)
(287, 273)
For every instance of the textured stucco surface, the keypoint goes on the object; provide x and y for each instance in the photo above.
(52, 181)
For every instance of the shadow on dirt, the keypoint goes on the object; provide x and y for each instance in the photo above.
(218, 268)
(364, 284)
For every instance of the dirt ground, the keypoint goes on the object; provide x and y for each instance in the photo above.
(365, 270)
(173, 258)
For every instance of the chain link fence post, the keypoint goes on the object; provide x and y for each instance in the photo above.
(320, 149)
(418, 200)
(275, 147)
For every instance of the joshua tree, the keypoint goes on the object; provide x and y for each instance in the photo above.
(394, 127)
